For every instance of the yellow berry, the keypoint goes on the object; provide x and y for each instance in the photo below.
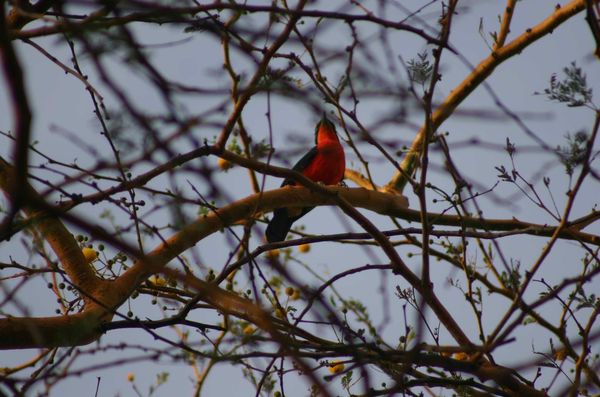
(224, 164)
(90, 254)
(130, 377)
(248, 330)
(158, 281)
(460, 356)
(289, 291)
(336, 367)
(304, 248)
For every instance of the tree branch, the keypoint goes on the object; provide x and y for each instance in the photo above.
(13, 73)
(475, 78)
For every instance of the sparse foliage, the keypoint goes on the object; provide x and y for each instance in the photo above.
(573, 90)
(574, 153)
(420, 69)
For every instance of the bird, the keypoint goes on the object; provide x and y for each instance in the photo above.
(325, 163)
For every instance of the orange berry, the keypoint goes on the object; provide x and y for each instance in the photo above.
(130, 377)
(460, 356)
(289, 291)
(273, 254)
(296, 295)
(304, 248)
(249, 330)
(223, 164)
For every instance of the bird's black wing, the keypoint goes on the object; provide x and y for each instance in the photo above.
(302, 164)
(283, 218)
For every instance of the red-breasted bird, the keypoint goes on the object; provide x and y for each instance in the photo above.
(324, 163)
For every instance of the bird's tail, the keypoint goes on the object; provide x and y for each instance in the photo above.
(279, 226)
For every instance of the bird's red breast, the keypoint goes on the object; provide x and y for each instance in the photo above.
(329, 165)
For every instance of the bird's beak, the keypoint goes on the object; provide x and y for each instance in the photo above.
(324, 122)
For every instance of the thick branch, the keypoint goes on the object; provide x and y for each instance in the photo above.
(54, 232)
(32, 332)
